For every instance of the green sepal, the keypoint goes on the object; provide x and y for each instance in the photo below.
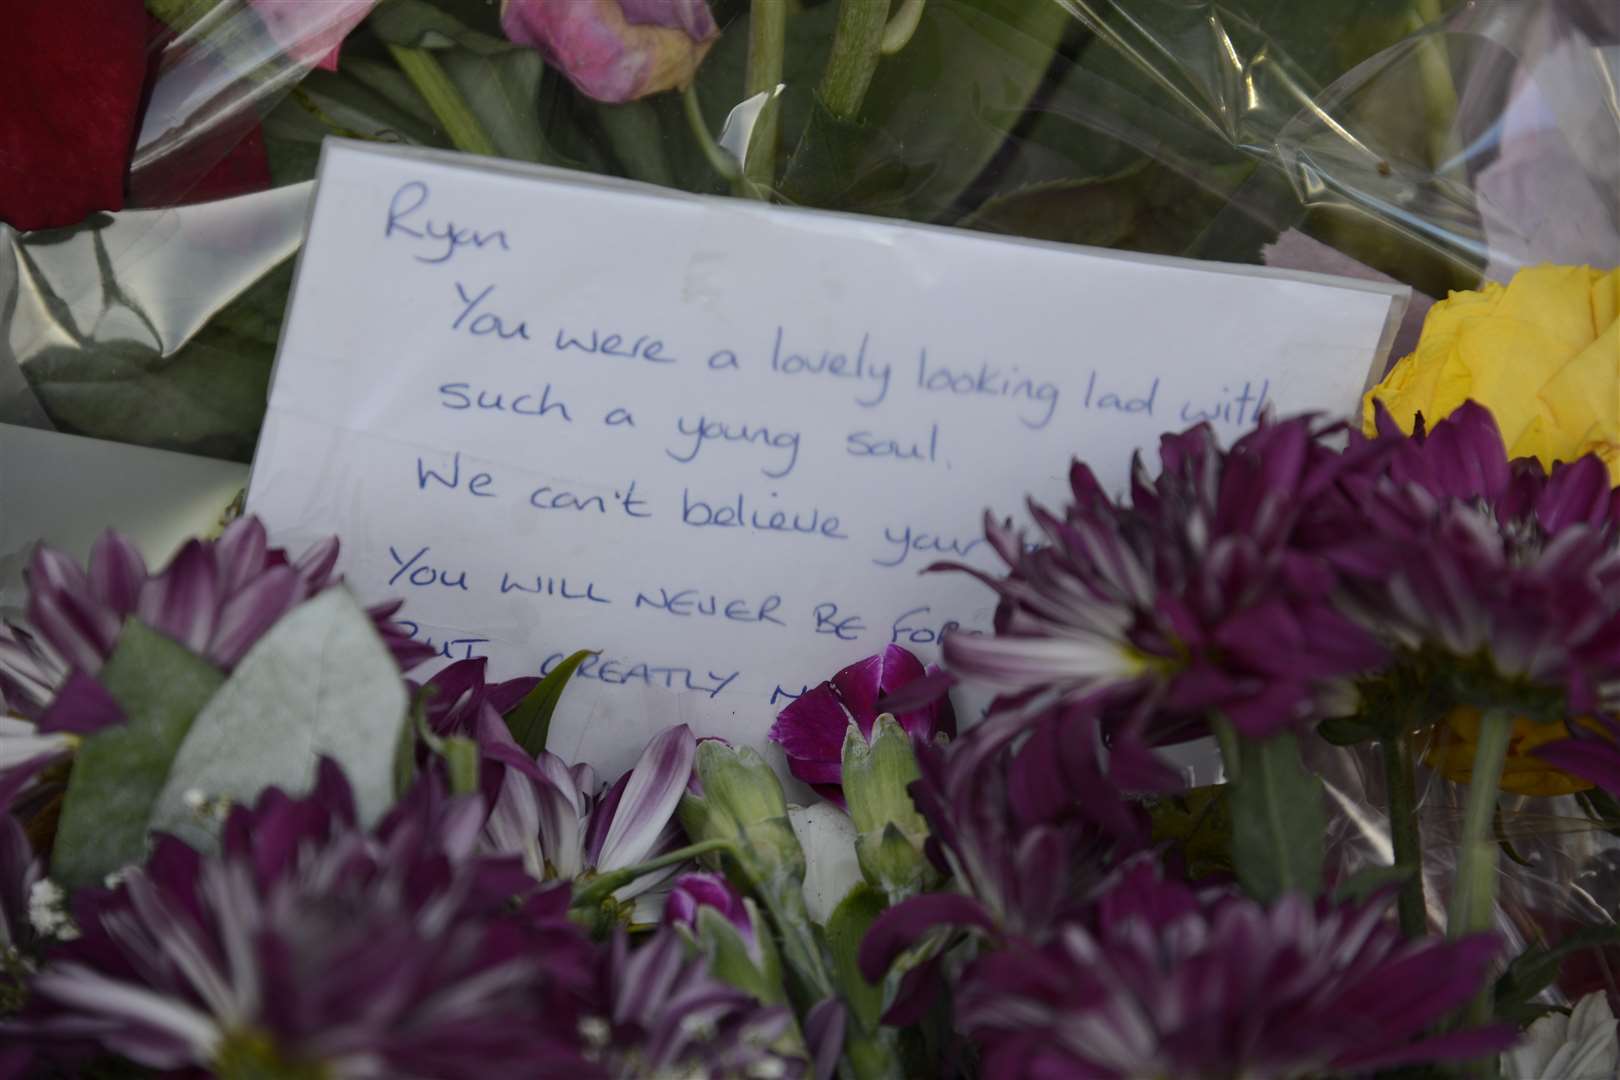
(729, 955)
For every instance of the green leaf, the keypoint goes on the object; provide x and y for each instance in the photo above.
(118, 774)
(503, 90)
(1146, 207)
(1277, 820)
(180, 14)
(1348, 730)
(847, 164)
(1533, 970)
(635, 135)
(529, 721)
(846, 927)
(321, 682)
(418, 24)
(952, 97)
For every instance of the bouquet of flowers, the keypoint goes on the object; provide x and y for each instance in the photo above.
(244, 832)
(239, 840)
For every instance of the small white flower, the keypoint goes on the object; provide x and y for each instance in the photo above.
(831, 868)
(47, 911)
(208, 809)
(1580, 1046)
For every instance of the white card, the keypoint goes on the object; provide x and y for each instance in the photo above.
(717, 440)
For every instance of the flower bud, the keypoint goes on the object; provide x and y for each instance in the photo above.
(890, 831)
(701, 889)
(726, 927)
(616, 50)
(742, 801)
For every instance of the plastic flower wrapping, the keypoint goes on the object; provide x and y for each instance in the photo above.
(250, 828)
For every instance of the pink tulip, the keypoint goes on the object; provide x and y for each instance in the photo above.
(616, 50)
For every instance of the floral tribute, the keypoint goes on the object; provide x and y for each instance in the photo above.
(1037, 893)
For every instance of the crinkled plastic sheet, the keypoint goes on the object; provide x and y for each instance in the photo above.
(1436, 146)
(1558, 869)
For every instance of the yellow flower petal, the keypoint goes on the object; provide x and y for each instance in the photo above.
(1451, 754)
(1541, 353)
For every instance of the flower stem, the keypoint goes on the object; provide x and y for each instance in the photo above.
(1405, 836)
(904, 24)
(718, 159)
(767, 40)
(441, 95)
(461, 759)
(603, 886)
(854, 58)
(1473, 900)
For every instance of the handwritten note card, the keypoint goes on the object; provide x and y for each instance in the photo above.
(717, 440)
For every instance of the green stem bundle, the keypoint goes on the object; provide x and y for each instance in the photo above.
(856, 48)
(1473, 901)
(441, 95)
(767, 42)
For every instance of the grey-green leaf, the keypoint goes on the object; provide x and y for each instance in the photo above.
(1277, 820)
(530, 719)
(321, 682)
(161, 686)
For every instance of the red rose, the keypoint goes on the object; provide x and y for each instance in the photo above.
(71, 73)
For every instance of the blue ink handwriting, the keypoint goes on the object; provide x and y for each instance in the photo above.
(701, 513)
(624, 672)
(419, 573)
(459, 396)
(838, 365)
(645, 347)
(685, 603)
(412, 197)
(989, 381)
(701, 429)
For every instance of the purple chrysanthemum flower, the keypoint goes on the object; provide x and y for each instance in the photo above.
(566, 825)
(309, 943)
(1027, 836)
(811, 730)
(215, 597)
(457, 694)
(1169, 982)
(660, 1013)
(1508, 574)
(1192, 598)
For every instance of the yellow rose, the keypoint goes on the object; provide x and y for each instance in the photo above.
(1542, 353)
(1451, 754)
